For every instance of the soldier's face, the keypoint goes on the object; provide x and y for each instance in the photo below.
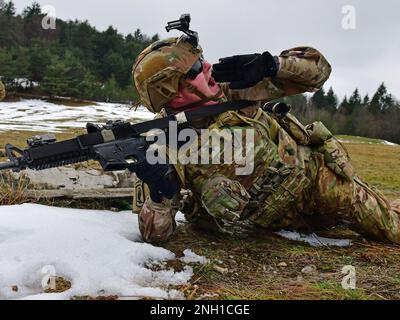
(203, 82)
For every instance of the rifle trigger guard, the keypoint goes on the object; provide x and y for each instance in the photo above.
(10, 149)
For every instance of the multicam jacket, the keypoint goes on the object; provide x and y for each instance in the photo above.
(302, 175)
(302, 69)
(2, 91)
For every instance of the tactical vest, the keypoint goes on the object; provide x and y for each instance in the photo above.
(276, 192)
(279, 175)
(283, 146)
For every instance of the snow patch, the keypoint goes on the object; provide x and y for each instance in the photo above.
(389, 143)
(368, 142)
(39, 115)
(100, 252)
(313, 239)
(180, 217)
(191, 257)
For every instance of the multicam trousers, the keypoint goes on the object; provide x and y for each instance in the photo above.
(333, 198)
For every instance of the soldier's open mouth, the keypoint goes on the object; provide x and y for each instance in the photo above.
(211, 82)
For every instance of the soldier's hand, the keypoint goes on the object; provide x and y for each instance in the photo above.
(245, 71)
(160, 178)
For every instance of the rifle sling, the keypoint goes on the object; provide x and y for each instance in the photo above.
(129, 130)
(216, 109)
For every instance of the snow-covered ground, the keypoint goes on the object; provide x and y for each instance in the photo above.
(39, 115)
(313, 239)
(100, 252)
(387, 143)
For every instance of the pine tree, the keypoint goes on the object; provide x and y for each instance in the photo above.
(138, 36)
(344, 105)
(366, 101)
(64, 77)
(318, 100)
(111, 89)
(114, 65)
(7, 67)
(331, 101)
(90, 88)
(21, 64)
(33, 10)
(39, 60)
(8, 9)
(381, 101)
(354, 102)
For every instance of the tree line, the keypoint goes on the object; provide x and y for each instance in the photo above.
(76, 60)
(376, 117)
(73, 60)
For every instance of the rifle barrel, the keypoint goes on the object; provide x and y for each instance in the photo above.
(7, 165)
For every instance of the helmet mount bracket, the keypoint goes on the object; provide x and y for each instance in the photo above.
(183, 25)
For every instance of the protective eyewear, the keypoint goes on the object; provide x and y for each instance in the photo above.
(196, 69)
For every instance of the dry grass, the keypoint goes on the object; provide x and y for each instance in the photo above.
(18, 138)
(13, 190)
(379, 165)
(61, 285)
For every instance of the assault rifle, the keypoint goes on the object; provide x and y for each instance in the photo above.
(116, 146)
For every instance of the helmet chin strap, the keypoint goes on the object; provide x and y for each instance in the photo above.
(203, 98)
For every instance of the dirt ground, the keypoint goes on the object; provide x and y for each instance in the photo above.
(265, 266)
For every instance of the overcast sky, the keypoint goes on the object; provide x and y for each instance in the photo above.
(362, 57)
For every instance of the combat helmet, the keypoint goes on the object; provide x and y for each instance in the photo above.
(159, 69)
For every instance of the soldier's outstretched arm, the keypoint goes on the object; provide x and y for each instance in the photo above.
(300, 69)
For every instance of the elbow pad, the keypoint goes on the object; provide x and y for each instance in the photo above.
(304, 65)
(224, 199)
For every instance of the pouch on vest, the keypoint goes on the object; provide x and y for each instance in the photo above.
(335, 154)
(280, 200)
(224, 198)
(295, 128)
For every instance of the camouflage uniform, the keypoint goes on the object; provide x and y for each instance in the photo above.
(299, 172)
(2, 91)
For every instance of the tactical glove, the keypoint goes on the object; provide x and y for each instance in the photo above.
(160, 178)
(245, 71)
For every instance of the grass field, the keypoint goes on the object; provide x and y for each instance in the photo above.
(356, 139)
(379, 165)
